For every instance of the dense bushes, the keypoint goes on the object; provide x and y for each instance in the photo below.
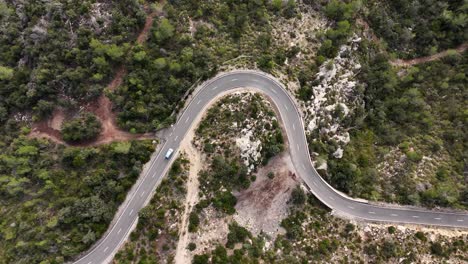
(83, 127)
(55, 52)
(175, 59)
(419, 27)
(420, 113)
(342, 13)
(56, 200)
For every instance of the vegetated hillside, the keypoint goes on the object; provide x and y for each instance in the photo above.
(411, 147)
(418, 27)
(187, 44)
(55, 200)
(407, 139)
(61, 52)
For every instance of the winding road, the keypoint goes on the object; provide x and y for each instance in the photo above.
(127, 217)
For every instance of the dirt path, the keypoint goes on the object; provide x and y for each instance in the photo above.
(182, 254)
(411, 62)
(102, 108)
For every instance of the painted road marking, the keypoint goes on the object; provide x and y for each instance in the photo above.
(175, 139)
(153, 175)
(285, 106)
(106, 249)
(120, 230)
(437, 218)
(371, 212)
(314, 183)
(350, 207)
(186, 120)
(394, 215)
(233, 80)
(297, 146)
(460, 220)
(294, 127)
(333, 199)
(89, 262)
(274, 90)
(214, 88)
(170, 134)
(415, 216)
(131, 212)
(141, 195)
(199, 101)
(303, 166)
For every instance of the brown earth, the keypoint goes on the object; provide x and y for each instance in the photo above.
(102, 108)
(262, 206)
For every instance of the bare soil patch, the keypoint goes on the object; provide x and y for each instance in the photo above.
(262, 206)
(182, 254)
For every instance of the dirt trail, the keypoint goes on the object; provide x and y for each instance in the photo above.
(411, 62)
(182, 254)
(102, 108)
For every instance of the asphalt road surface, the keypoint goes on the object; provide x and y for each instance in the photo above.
(105, 249)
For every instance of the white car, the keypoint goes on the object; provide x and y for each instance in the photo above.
(169, 153)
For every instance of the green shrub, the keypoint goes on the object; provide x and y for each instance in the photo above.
(194, 221)
(298, 196)
(420, 235)
(225, 202)
(191, 246)
(84, 127)
(237, 234)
